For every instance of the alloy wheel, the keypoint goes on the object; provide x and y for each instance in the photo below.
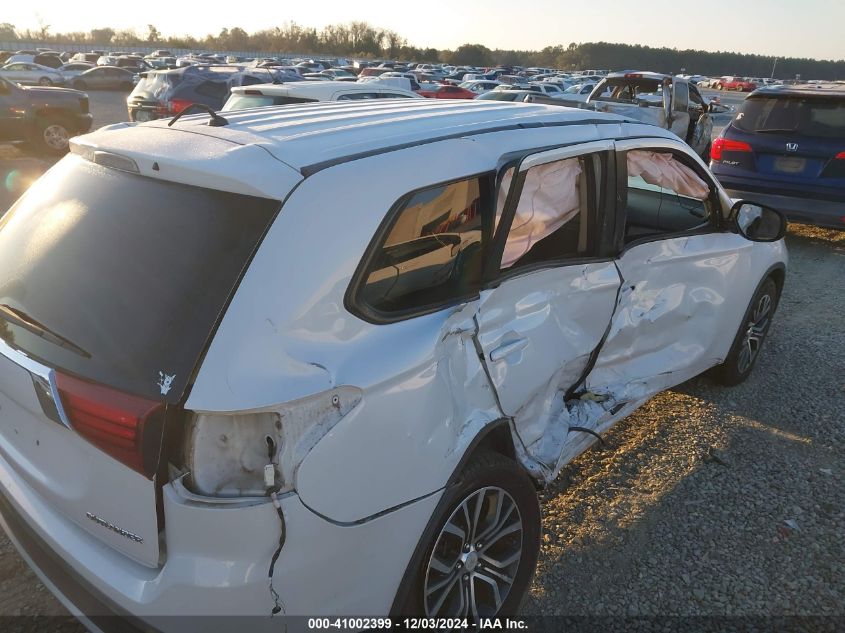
(755, 332)
(55, 137)
(475, 558)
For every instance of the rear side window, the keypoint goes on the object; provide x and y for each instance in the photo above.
(132, 272)
(431, 253)
(242, 101)
(358, 96)
(818, 117)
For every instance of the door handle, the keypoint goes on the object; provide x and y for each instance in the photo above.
(508, 348)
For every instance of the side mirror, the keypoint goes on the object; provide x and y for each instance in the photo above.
(757, 222)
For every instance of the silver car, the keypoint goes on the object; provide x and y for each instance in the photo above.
(33, 74)
(73, 69)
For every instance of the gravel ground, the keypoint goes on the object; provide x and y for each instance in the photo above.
(707, 501)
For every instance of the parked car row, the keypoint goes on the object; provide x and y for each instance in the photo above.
(79, 75)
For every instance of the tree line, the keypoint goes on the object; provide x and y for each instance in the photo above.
(362, 40)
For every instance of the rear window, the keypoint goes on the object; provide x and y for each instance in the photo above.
(130, 272)
(818, 117)
(154, 84)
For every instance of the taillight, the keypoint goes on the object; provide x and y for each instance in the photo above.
(727, 145)
(127, 427)
(177, 105)
(840, 156)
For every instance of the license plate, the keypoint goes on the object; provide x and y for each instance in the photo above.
(789, 165)
(143, 115)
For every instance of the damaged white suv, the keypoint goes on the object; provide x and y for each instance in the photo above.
(221, 359)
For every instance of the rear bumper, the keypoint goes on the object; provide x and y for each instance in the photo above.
(217, 563)
(804, 210)
(78, 595)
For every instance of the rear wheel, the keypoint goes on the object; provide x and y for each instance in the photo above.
(45, 81)
(54, 136)
(749, 340)
(482, 545)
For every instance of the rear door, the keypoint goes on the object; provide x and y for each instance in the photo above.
(551, 294)
(111, 284)
(680, 109)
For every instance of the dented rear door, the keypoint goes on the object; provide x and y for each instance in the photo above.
(552, 299)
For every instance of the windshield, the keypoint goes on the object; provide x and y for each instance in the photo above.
(632, 90)
(132, 272)
(813, 116)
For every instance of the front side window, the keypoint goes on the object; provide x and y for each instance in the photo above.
(432, 253)
(664, 195)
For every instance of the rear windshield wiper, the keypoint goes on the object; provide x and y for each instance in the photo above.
(21, 319)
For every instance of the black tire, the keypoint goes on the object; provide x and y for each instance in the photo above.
(740, 361)
(79, 85)
(45, 81)
(483, 478)
(53, 136)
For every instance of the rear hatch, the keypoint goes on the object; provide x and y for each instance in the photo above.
(151, 94)
(111, 285)
(795, 141)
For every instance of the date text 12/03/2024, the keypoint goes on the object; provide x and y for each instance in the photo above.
(416, 624)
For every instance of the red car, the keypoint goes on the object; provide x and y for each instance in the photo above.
(742, 84)
(448, 92)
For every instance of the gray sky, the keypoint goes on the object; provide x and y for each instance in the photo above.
(789, 28)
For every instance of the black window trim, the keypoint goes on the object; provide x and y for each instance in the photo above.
(352, 300)
(714, 224)
(605, 213)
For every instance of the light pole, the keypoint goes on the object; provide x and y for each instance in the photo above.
(773, 68)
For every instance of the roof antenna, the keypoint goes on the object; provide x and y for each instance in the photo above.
(215, 121)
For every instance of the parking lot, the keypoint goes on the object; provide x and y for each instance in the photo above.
(707, 501)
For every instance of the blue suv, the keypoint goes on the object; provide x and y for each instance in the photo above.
(786, 148)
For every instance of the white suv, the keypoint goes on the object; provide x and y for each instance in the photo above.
(221, 359)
